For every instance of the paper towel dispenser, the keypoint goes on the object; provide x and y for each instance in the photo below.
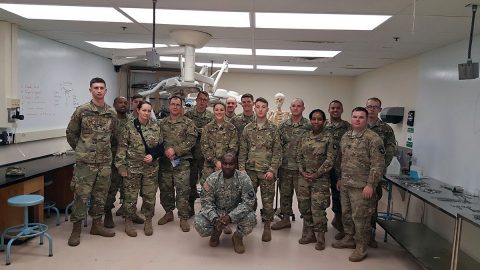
(392, 115)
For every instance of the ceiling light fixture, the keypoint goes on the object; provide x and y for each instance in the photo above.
(191, 17)
(296, 53)
(225, 50)
(318, 21)
(123, 45)
(291, 68)
(66, 13)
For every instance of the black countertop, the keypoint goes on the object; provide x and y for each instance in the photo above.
(35, 167)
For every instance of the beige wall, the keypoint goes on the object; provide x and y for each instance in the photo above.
(396, 85)
(316, 91)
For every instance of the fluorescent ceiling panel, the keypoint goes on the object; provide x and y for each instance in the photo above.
(66, 13)
(296, 53)
(224, 50)
(293, 68)
(123, 45)
(217, 65)
(190, 17)
(169, 59)
(318, 21)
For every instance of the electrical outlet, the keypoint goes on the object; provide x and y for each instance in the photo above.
(11, 113)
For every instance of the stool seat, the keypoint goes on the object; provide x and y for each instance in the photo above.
(25, 200)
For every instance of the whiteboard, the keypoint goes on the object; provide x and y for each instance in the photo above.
(447, 124)
(53, 79)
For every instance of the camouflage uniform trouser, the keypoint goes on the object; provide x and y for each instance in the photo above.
(378, 195)
(148, 183)
(116, 183)
(313, 200)
(288, 183)
(171, 180)
(356, 214)
(90, 179)
(336, 203)
(196, 167)
(267, 192)
(244, 226)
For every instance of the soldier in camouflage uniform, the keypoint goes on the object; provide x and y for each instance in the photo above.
(229, 198)
(116, 181)
(231, 106)
(291, 132)
(218, 138)
(120, 212)
(336, 127)
(247, 116)
(363, 162)
(315, 158)
(179, 135)
(90, 133)
(200, 116)
(374, 107)
(261, 155)
(139, 166)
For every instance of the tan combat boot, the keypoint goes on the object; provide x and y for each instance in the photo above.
(147, 228)
(267, 233)
(108, 220)
(98, 229)
(282, 224)
(359, 253)
(308, 236)
(129, 229)
(137, 219)
(320, 241)
(346, 242)
(237, 240)
(184, 225)
(74, 239)
(215, 237)
(338, 225)
(168, 217)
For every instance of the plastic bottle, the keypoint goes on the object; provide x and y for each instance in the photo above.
(394, 167)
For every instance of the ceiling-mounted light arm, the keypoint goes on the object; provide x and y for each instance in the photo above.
(153, 24)
(474, 11)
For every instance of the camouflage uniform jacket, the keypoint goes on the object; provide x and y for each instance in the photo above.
(362, 158)
(240, 121)
(234, 196)
(388, 136)
(200, 119)
(217, 140)
(228, 118)
(131, 149)
(316, 153)
(121, 127)
(290, 136)
(260, 148)
(90, 133)
(337, 130)
(180, 134)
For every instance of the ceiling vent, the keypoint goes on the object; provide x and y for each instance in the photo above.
(309, 59)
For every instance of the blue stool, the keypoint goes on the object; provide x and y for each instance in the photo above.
(25, 230)
(48, 206)
(69, 206)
